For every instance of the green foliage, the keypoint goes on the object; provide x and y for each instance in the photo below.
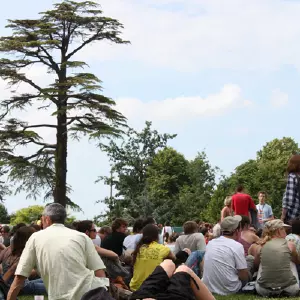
(129, 161)
(27, 215)
(74, 99)
(4, 216)
(265, 173)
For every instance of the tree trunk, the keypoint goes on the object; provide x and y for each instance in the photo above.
(60, 191)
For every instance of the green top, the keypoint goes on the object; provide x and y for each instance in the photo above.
(275, 262)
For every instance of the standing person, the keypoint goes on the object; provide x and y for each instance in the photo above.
(242, 203)
(264, 210)
(291, 197)
(227, 209)
(66, 259)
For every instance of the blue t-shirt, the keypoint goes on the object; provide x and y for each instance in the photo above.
(264, 211)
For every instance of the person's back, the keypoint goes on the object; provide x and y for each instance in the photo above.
(242, 203)
(194, 242)
(223, 257)
(64, 261)
(276, 265)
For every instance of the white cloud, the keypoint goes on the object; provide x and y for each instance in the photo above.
(279, 99)
(237, 34)
(181, 109)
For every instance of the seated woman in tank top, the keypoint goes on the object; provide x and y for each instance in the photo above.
(247, 237)
(277, 273)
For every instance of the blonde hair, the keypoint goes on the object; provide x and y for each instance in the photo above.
(268, 234)
(227, 201)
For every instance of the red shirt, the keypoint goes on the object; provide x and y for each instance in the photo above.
(241, 203)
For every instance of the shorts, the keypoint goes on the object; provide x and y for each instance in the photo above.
(160, 287)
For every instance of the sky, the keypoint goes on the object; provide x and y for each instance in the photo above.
(222, 74)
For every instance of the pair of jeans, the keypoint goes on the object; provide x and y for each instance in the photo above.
(34, 287)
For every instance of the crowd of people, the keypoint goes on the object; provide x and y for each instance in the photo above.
(248, 250)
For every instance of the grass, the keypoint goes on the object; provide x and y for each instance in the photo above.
(233, 297)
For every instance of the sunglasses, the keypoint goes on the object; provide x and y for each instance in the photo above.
(93, 230)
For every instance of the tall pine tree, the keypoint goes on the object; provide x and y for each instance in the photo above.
(74, 98)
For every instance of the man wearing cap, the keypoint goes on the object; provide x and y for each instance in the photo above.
(225, 266)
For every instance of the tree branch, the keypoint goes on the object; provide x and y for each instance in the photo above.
(39, 125)
(85, 43)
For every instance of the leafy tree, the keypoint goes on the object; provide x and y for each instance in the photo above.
(194, 197)
(129, 162)
(265, 173)
(4, 216)
(73, 99)
(27, 215)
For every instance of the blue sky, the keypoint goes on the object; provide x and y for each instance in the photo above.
(224, 75)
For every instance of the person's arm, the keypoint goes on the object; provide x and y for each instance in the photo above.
(232, 204)
(289, 196)
(243, 274)
(252, 204)
(171, 256)
(100, 273)
(16, 287)
(201, 245)
(177, 248)
(2, 247)
(200, 290)
(295, 259)
(257, 257)
(241, 264)
(106, 253)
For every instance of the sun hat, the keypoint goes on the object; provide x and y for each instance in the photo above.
(230, 224)
(275, 224)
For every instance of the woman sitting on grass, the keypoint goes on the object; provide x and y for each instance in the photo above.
(10, 258)
(148, 255)
(277, 272)
(247, 237)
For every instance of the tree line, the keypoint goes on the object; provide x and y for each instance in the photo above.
(150, 178)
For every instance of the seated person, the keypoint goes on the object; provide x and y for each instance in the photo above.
(114, 241)
(9, 258)
(196, 262)
(225, 267)
(132, 240)
(167, 283)
(66, 259)
(147, 256)
(277, 272)
(247, 237)
(88, 227)
(192, 239)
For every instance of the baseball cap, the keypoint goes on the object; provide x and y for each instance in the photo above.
(276, 224)
(230, 224)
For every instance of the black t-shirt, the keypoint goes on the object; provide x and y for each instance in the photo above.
(114, 242)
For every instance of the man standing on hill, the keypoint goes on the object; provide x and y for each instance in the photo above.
(242, 204)
(264, 211)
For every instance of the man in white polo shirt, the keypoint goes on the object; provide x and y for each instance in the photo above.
(225, 267)
(66, 259)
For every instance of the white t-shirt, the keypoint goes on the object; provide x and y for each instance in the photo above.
(97, 241)
(223, 257)
(131, 241)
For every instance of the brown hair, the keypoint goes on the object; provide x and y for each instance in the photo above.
(293, 164)
(20, 239)
(105, 230)
(239, 188)
(261, 192)
(117, 223)
(190, 227)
